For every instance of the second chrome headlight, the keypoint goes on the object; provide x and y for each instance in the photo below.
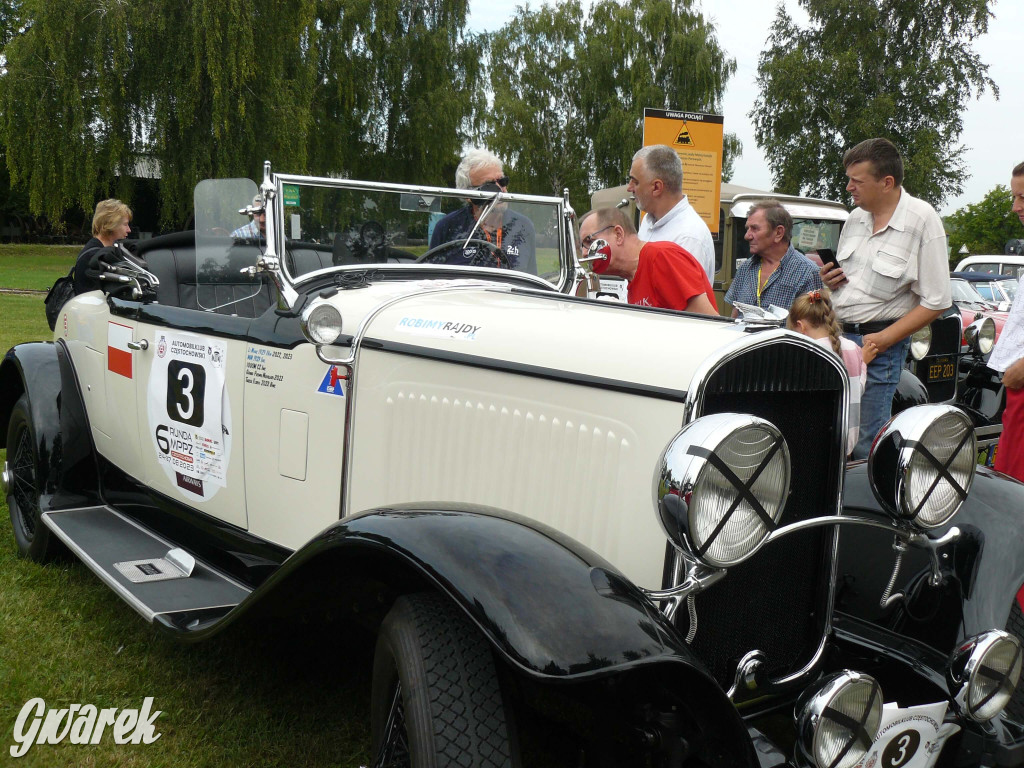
(721, 486)
(922, 464)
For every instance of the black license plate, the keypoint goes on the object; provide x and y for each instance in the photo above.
(938, 369)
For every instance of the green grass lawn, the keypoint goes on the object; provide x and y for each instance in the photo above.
(255, 696)
(35, 267)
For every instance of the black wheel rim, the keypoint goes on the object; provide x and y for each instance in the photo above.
(394, 748)
(24, 488)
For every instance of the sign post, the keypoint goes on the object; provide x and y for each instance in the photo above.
(697, 138)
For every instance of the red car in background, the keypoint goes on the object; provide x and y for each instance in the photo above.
(972, 303)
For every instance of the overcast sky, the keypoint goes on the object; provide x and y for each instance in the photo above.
(993, 134)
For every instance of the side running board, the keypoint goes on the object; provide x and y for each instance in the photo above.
(163, 583)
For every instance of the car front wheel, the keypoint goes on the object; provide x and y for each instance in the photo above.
(436, 699)
(33, 538)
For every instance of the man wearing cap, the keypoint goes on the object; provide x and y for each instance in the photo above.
(256, 228)
(505, 230)
(892, 275)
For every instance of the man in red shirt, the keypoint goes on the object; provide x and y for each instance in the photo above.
(659, 274)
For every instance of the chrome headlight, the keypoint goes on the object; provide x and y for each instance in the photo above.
(721, 485)
(981, 335)
(321, 323)
(922, 464)
(837, 725)
(921, 343)
(983, 673)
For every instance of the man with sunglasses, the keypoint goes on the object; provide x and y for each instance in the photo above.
(660, 274)
(504, 230)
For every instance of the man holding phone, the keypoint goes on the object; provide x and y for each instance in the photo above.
(892, 276)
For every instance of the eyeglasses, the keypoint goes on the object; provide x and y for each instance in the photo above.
(501, 181)
(587, 241)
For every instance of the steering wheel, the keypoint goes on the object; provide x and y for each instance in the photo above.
(495, 251)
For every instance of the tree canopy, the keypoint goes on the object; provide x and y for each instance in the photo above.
(96, 93)
(865, 68)
(570, 89)
(212, 88)
(985, 226)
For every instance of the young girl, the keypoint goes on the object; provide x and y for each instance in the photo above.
(812, 315)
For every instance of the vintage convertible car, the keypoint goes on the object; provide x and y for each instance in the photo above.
(632, 531)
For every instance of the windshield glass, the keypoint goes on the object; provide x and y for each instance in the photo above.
(965, 292)
(227, 242)
(354, 225)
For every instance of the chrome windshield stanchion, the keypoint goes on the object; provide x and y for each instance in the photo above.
(269, 262)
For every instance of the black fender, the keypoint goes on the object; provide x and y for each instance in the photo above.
(33, 369)
(549, 605)
(984, 568)
(553, 610)
(43, 370)
(910, 391)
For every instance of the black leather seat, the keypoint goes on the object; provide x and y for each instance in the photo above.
(172, 258)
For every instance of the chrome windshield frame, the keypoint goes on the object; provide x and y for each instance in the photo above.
(568, 266)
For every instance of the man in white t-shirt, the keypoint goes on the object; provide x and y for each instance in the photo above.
(656, 181)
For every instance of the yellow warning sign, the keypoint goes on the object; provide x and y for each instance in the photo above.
(697, 138)
(683, 139)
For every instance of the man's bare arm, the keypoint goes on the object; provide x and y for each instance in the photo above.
(911, 322)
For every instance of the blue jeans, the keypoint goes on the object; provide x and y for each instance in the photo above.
(876, 403)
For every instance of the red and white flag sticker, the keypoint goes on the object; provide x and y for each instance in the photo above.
(119, 356)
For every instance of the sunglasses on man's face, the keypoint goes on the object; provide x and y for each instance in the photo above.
(501, 181)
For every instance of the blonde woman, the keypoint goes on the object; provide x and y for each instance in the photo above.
(110, 223)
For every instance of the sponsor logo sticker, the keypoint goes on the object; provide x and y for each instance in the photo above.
(332, 382)
(440, 329)
(191, 484)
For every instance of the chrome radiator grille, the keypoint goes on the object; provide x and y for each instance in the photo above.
(778, 602)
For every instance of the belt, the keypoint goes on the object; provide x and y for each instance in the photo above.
(875, 326)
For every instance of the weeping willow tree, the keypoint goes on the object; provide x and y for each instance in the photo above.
(399, 89)
(91, 88)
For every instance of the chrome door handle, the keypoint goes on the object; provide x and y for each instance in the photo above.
(138, 345)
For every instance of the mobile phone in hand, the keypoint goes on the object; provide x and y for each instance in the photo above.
(828, 258)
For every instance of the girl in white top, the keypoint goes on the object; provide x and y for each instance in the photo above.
(812, 315)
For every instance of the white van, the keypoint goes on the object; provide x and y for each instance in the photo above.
(999, 264)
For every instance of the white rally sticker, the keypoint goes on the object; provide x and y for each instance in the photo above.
(189, 413)
(909, 737)
(439, 329)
